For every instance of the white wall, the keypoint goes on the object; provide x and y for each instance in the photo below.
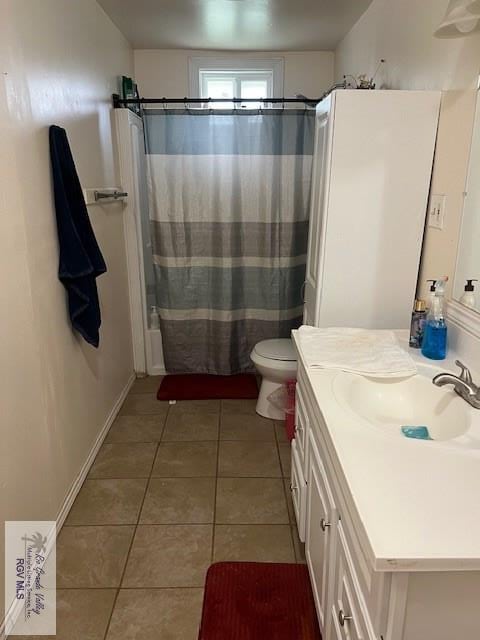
(402, 33)
(60, 62)
(164, 73)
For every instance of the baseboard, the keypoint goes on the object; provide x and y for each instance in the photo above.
(14, 609)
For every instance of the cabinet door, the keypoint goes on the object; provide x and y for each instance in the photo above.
(349, 617)
(320, 535)
(320, 177)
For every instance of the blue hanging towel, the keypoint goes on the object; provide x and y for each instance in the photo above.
(81, 260)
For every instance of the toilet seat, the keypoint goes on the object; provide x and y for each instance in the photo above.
(280, 349)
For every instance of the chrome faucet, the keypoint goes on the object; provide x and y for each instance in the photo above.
(463, 384)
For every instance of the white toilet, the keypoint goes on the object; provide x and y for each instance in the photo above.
(276, 361)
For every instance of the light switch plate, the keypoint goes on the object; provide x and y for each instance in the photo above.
(436, 211)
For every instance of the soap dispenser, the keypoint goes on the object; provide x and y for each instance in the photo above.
(431, 293)
(468, 298)
(434, 345)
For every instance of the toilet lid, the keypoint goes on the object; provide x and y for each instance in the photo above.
(278, 349)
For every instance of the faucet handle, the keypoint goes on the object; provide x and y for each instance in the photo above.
(465, 375)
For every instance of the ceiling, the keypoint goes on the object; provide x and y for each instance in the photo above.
(269, 25)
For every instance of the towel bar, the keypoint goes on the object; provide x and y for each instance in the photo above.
(116, 195)
(104, 195)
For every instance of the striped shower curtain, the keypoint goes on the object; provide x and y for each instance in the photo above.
(229, 199)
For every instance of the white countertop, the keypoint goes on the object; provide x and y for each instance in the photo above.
(419, 505)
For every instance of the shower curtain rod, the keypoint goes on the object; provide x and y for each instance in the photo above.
(123, 102)
(120, 102)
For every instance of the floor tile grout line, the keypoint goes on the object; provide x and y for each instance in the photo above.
(127, 558)
(252, 524)
(229, 477)
(142, 415)
(100, 524)
(251, 440)
(183, 524)
(124, 589)
(212, 551)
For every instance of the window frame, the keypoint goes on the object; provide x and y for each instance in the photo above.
(237, 76)
(238, 65)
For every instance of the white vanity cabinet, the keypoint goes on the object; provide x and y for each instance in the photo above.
(338, 596)
(355, 600)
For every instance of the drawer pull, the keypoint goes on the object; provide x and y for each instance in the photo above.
(324, 525)
(342, 618)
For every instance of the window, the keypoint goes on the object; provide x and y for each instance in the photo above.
(236, 78)
(238, 84)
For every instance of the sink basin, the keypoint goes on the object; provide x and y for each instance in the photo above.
(389, 404)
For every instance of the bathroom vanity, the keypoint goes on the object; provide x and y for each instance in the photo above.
(391, 526)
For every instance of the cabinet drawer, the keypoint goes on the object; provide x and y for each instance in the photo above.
(301, 426)
(350, 620)
(298, 488)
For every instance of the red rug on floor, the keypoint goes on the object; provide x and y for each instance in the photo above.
(258, 601)
(200, 386)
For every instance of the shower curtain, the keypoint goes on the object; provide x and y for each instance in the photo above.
(229, 199)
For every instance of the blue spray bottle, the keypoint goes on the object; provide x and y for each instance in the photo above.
(434, 345)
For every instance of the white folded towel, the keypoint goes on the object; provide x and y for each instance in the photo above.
(368, 353)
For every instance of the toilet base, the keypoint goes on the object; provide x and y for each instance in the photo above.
(264, 407)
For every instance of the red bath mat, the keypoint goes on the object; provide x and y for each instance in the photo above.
(256, 601)
(199, 386)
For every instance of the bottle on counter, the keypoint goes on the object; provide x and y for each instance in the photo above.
(468, 298)
(154, 319)
(417, 326)
(434, 344)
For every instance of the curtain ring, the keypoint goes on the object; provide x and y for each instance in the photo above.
(164, 104)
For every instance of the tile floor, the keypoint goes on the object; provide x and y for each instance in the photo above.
(173, 489)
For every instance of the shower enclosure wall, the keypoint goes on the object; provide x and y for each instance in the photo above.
(147, 342)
